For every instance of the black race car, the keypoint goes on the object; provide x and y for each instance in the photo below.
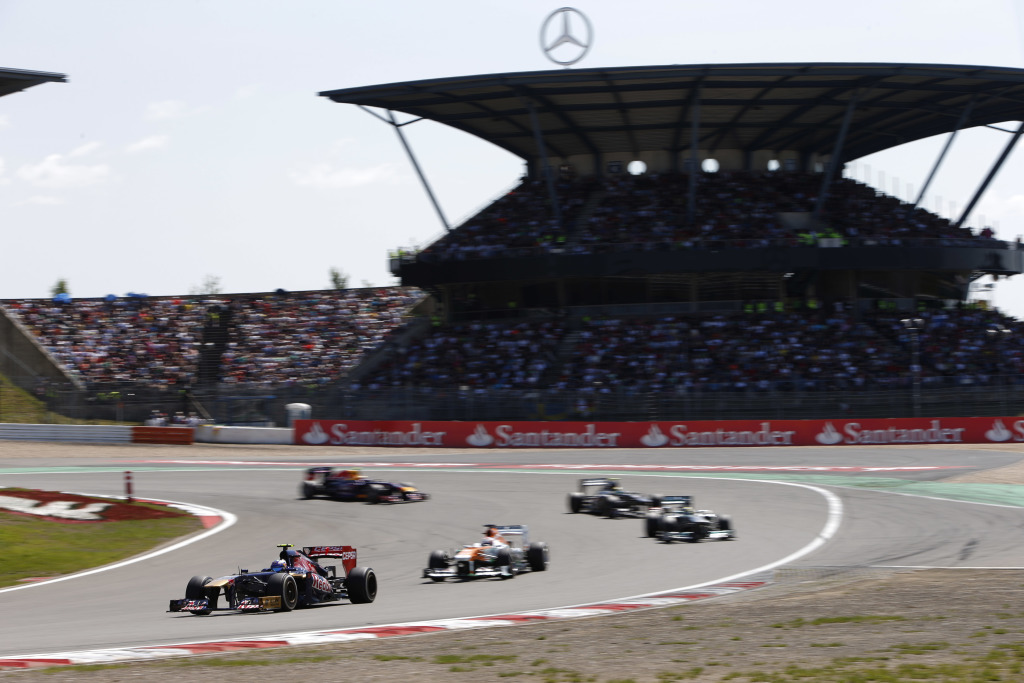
(339, 483)
(295, 579)
(677, 520)
(605, 497)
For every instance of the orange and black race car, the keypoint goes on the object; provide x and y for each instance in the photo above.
(338, 483)
(295, 579)
(504, 551)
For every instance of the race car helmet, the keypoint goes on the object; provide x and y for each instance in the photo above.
(278, 565)
(491, 532)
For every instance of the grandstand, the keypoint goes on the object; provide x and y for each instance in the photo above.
(736, 274)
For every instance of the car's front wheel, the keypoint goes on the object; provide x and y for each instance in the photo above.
(285, 586)
(537, 556)
(196, 590)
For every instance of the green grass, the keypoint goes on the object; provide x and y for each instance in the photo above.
(18, 406)
(862, 619)
(47, 549)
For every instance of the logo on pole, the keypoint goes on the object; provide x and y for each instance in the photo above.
(566, 36)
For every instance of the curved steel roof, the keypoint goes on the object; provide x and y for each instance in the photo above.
(748, 107)
(15, 80)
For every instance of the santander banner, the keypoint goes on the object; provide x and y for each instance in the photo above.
(701, 434)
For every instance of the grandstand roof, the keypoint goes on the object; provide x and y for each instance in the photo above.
(750, 107)
(16, 80)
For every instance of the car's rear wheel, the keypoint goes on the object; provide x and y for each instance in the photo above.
(575, 502)
(537, 556)
(285, 586)
(361, 583)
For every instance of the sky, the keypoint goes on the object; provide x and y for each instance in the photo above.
(189, 146)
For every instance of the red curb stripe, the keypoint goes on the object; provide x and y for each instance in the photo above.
(27, 663)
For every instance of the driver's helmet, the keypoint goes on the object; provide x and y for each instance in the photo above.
(278, 565)
(612, 485)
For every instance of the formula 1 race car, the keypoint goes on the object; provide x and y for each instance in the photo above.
(295, 579)
(605, 497)
(677, 520)
(347, 484)
(504, 551)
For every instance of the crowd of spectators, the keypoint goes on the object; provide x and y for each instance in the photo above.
(310, 339)
(757, 352)
(306, 338)
(479, 356)
(108, 341)
(651, 211)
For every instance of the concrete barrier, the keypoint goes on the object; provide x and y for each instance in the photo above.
(71, 433)
(249, 435)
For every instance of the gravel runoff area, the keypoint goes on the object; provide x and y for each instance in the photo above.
(854, 625)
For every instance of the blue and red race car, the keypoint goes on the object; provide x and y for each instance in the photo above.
(347, 484)
(295, 579)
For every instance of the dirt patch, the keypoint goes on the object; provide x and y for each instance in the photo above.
(847, 622)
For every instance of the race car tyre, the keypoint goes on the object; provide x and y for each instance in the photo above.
(362, 585)
(438, 560)
(698, 533)
(652, 522)
(285, 586)
(537, 556)
(307, 491)
(607, 506)
(194, 590)
(725, 524)
(503, 561)
(372, 494)
(575, 502)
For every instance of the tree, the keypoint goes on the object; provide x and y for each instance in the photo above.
(210, 285)
(60, 288)
(338, 279)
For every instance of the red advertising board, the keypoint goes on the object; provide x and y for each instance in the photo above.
(703, 434)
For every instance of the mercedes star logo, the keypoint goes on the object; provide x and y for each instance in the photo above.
(552, 41)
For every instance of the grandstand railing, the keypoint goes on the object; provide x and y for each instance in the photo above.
(965, 396)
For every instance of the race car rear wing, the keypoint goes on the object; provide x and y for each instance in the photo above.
(346, 553)
(683, 501)
(515, 534)
(597, 482)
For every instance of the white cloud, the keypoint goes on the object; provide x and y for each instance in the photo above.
(169, 109)
(145, 144)
(87, 148)
(55, 172)
(325, 175)
(247, 91)
(41, 200)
